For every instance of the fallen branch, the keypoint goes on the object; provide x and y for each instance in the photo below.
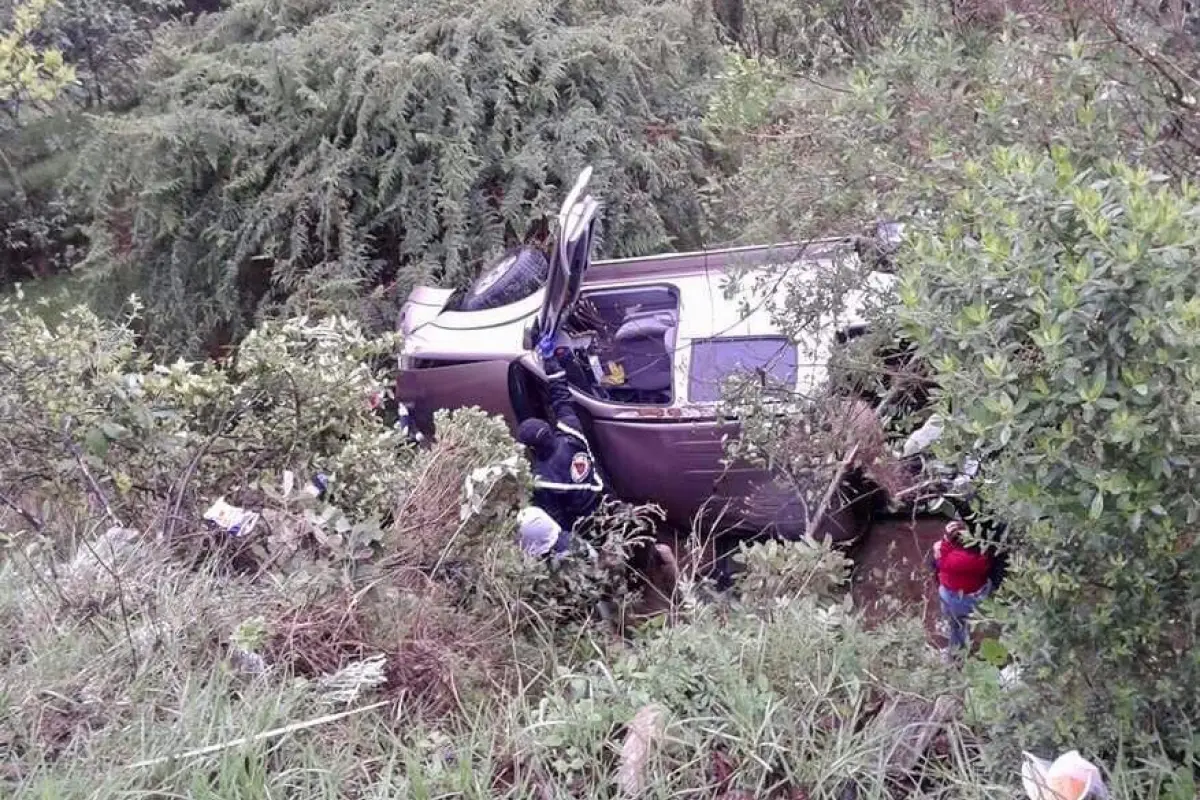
(258, 737)
(26, 515)
(815, 522)
(92, 483)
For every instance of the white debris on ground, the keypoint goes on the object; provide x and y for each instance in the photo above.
(643, 732)
(93, 569)
(1069, 777)
(1010, 677)
(347, 684)
(924, 436)
(231, 519)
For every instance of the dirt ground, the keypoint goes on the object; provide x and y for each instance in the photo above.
(891, 576)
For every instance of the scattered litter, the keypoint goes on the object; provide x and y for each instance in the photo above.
(315, 489)
(345, 685)
(245, 642)
(1070, 777)
(966, 475)
(405, 426)
(231, 519)
(1010, 677)
(923, 437)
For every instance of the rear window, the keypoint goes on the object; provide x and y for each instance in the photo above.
(715, 360)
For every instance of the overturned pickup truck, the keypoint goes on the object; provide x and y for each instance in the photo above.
(649, 341)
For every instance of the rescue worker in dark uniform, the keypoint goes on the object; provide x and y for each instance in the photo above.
(567, 484)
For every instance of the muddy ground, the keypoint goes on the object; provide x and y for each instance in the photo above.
(891, 575)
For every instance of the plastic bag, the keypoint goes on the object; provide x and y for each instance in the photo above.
(1069, 777)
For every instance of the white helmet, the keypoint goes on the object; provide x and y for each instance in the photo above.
(539, 531)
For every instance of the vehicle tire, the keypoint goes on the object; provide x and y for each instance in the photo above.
(515, 276)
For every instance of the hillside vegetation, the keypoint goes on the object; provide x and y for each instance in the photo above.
(253, 180)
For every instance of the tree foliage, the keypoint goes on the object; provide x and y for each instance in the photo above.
(98, 45)
(1061, 310)
(28, 71)
(890, 134)
(105, 40)
(307, 150)
(814, 37)
(1047, 161)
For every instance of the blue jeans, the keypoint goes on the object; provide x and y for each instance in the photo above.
(956, 608)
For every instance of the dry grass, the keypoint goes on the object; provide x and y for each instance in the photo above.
(123, 653)
(427, 514)
(318, 638)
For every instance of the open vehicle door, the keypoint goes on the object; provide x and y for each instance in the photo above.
(571, 257)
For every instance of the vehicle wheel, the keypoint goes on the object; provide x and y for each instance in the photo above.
(515, 276)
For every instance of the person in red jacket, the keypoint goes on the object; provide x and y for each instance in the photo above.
(963, 572)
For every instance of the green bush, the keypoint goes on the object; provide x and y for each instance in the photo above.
(496, 676)
(88, 417)
(1060, 308)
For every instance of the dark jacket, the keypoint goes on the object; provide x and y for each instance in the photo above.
(567, 481)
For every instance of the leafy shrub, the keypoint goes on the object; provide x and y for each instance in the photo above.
(772, 701)
(92, 423)
(1059, 307)
(745, 91)
(778, 570)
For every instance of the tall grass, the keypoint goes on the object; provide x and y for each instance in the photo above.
(110, 665)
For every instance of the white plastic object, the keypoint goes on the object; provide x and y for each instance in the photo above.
(1069, 777)
(233, 520)
(539, 531)
(922, 437)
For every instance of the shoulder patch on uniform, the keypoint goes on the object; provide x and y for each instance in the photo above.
(581, 467)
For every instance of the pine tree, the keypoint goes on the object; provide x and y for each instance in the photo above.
(292, 152)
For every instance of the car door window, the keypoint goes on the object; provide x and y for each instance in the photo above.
(715, 360)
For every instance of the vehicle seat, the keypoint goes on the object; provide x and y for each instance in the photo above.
(645, 342)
